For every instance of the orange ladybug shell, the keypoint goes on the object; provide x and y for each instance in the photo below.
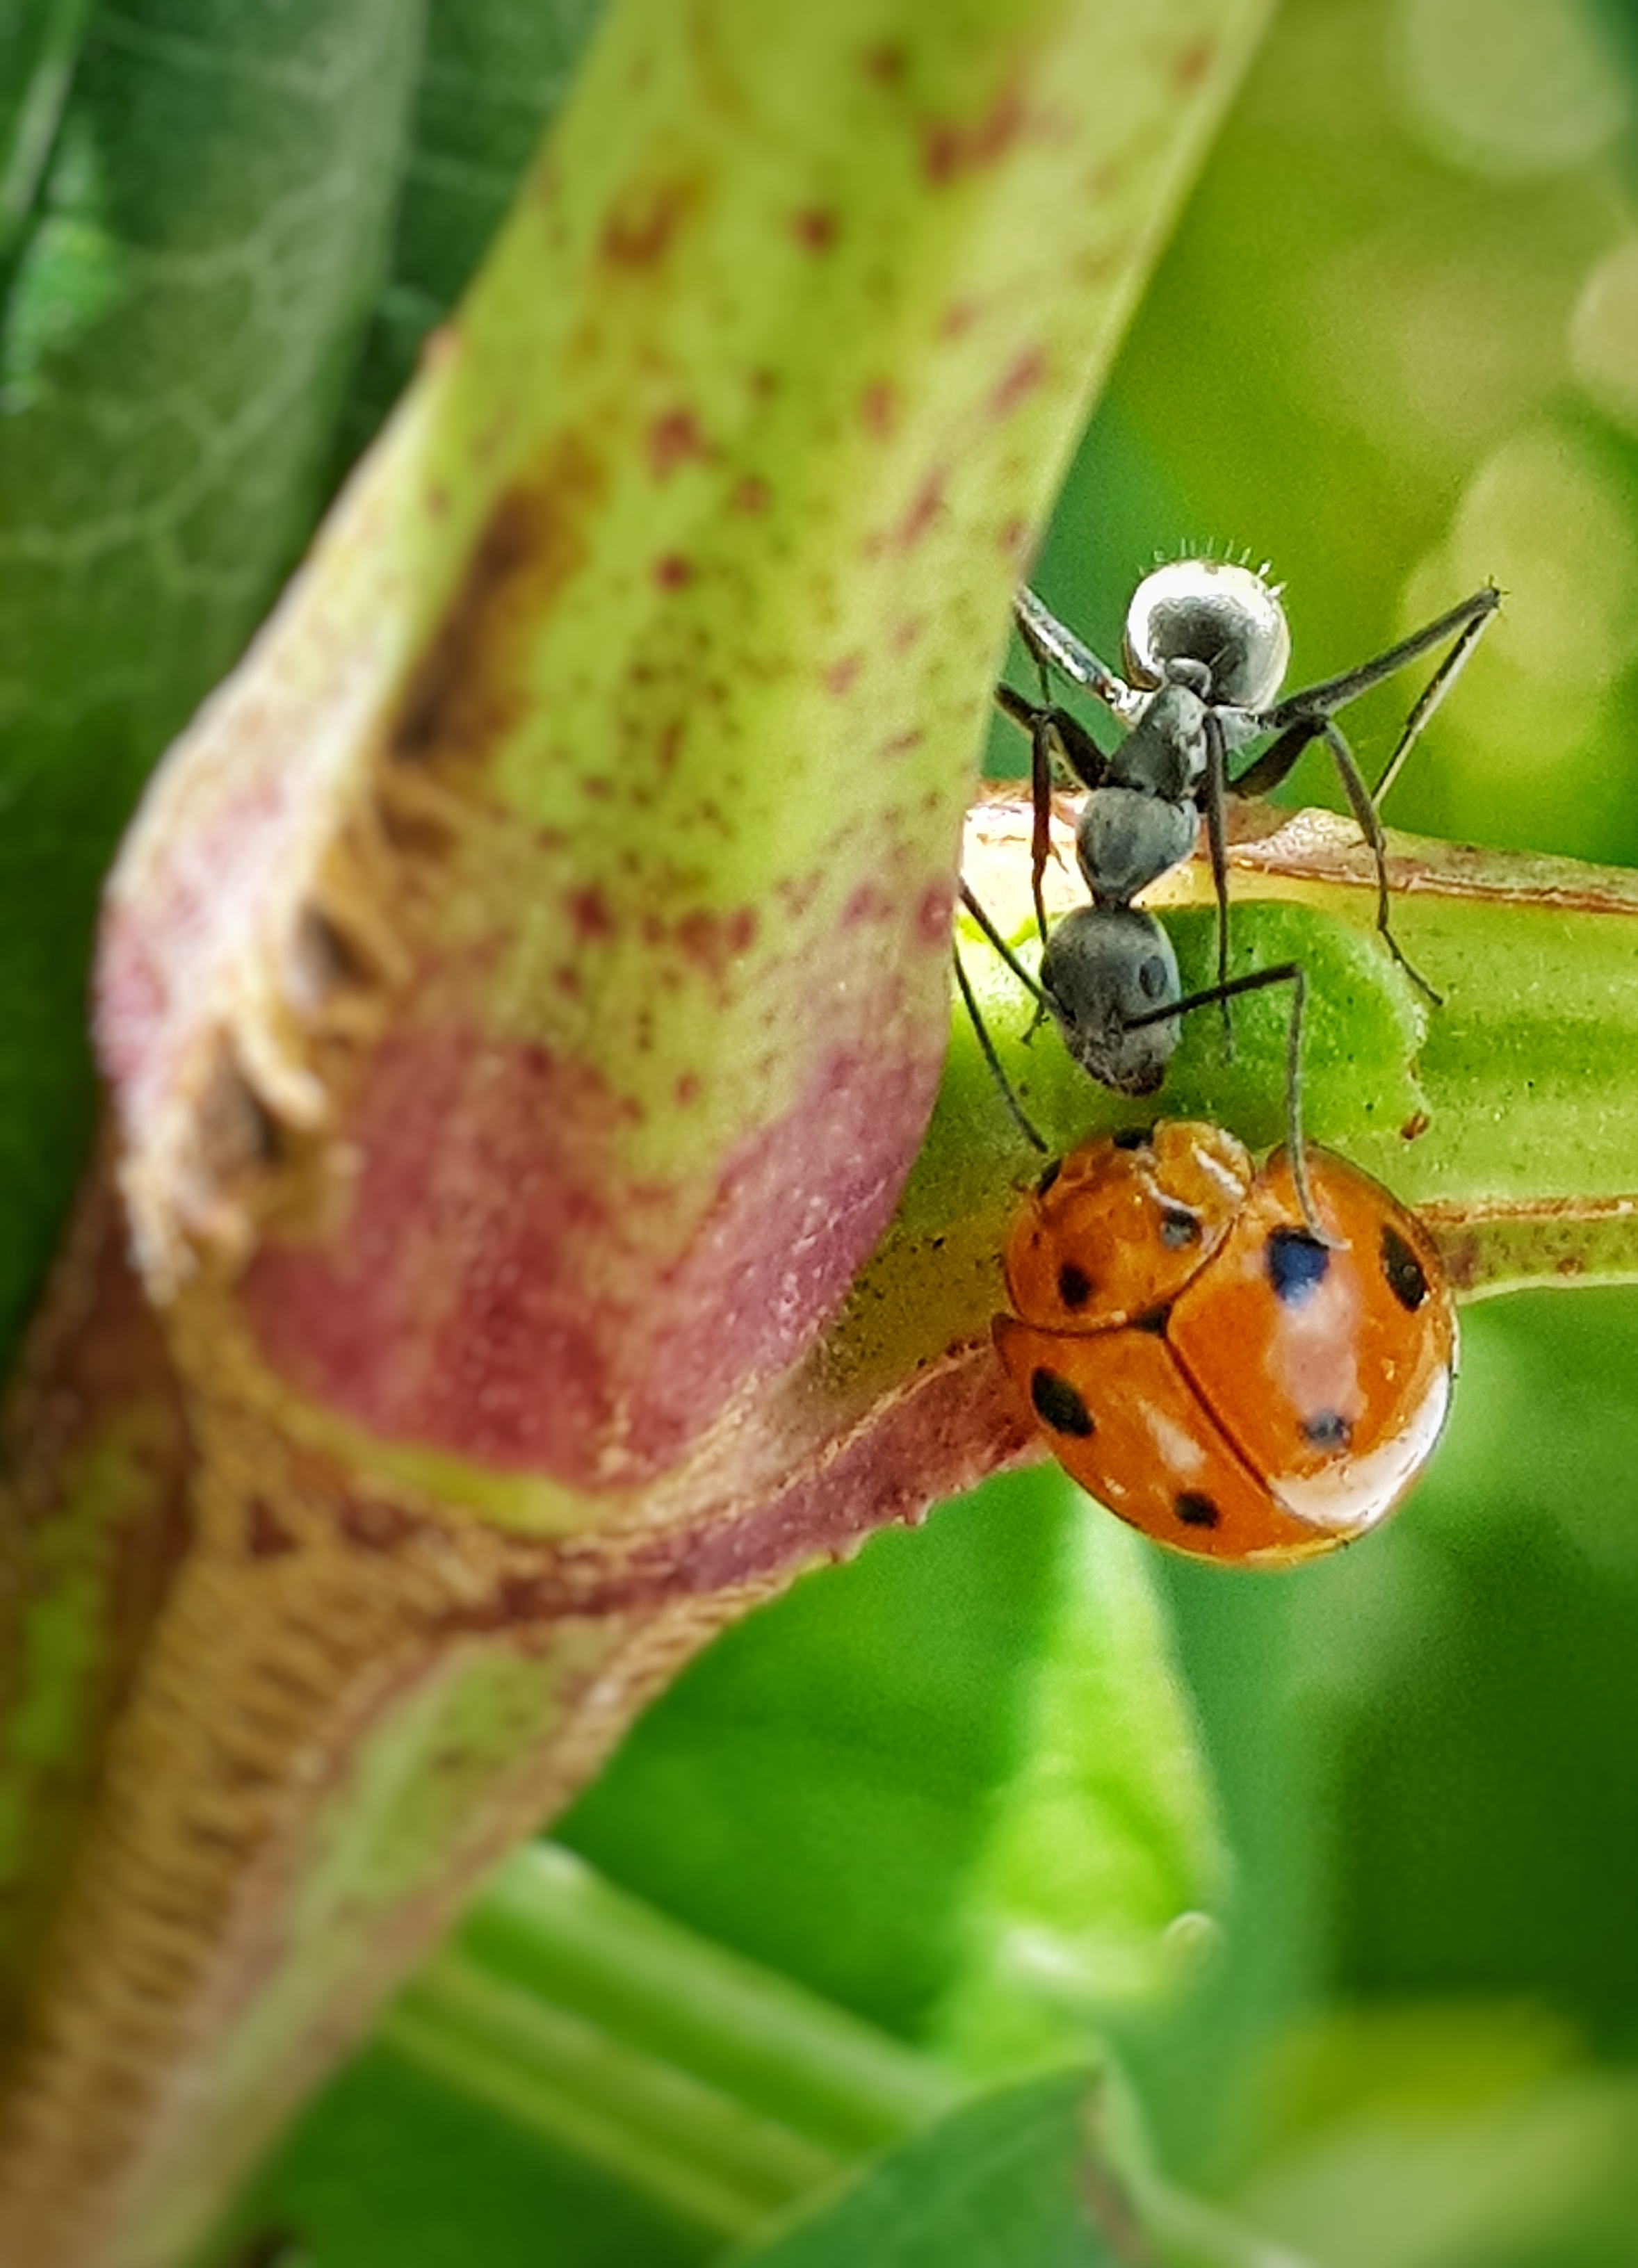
(1205, 1366)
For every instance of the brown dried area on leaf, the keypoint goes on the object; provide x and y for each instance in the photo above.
(1310, 844)
(1489, 1249)
(1323, 846)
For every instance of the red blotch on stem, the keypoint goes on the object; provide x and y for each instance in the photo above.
(933, 916)
(881, 408)
(1021, 381)
(674, 440)
(885, 65)
(925, 508)
(715, 942)
(589, 914)
(954, 147)
(816, 230)
(501, 1290)
(645, 221)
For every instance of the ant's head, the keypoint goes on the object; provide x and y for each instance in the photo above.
(1214, 613)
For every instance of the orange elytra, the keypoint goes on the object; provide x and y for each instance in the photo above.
(1208, 1367)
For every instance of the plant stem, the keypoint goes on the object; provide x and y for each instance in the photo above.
(548, 1922)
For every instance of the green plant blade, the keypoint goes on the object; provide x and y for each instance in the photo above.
(992, 2185)
(180, 310)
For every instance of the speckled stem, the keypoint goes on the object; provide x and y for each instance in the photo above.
(522, 996)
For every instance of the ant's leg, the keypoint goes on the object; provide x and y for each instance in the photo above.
(986, 1045)
(1432, 694)
(1035, 991)
(1040, 813)
(1049, 643)
(1216, 787)
(1274, 766)
(1284, 972)
(1364, 810)
(1334, 693)
(1070, 738)
(1053, 731)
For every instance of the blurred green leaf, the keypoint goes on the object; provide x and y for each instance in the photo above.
(862, 1784)
(813, 1790)
(181, 308)
(1435, 2137)
(1103, 1847)
(991, 2186)
(395, 2166)
(495, 73)
(40, 44)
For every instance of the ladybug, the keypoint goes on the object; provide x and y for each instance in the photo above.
(1209, 1368)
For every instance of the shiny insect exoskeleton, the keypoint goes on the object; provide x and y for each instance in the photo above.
(1244, 1374)
(1207, 647)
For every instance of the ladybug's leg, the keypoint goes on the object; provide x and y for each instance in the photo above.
(986, 1045)
(1283, 972)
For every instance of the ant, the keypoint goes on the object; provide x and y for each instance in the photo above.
(1207, 645)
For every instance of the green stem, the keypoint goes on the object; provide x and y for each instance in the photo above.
(691, 2150)
(716, 2088)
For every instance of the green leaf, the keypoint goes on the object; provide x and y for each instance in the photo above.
(991, 2186)
(183, 306)
(1103, 1847)
(495, 74)
(40, 44)
(955, 1785)
(398, 2167)
(814, 1789)
(1432, 2137)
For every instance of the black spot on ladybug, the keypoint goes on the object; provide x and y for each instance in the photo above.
(1134, 1137)
(1153, 1321)
(1074, 1286)
(1407, 1279)
(1196, 1511)
(1180, 1227)
(1327, 1429)
(1049, 1174)
(1058, 1406)
(1295, 1263)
